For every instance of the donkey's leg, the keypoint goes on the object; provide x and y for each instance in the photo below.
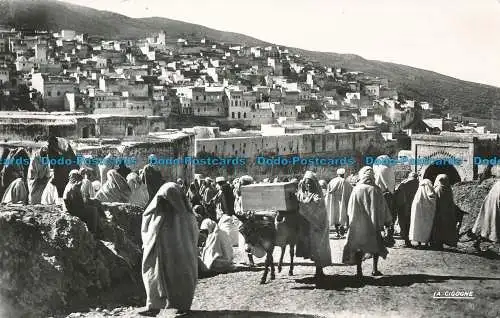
(271, 260)
(266, 270)
(292, 251)
(280, 264)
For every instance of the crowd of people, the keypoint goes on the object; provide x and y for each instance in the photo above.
(188, 230)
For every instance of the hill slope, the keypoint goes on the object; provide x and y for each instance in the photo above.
(472, 98)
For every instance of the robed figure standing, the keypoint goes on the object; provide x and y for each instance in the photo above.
(423, 210)
(339, 192)
(38, 176)
(404, 195)
(170, 259)
(152, 177)
(59, 148)
(313, 241)
(444, 230)
(368, 214)
(487, 225)
(385, 179)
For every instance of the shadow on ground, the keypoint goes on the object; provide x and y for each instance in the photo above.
(238, 314)
(340, 282)
(202, 275)
(488, 254)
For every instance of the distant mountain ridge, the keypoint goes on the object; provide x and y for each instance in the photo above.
(470, 98)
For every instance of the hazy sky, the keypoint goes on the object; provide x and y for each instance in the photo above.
(460, 38)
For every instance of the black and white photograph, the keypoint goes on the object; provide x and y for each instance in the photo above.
(264, 158)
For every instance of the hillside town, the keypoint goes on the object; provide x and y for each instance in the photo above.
(241, 86)
(162, 234)
(251, 100)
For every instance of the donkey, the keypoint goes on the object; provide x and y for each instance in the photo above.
(271, 229)
(287, 227)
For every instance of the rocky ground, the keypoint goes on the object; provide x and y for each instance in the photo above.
(469, 196)
(50, 263)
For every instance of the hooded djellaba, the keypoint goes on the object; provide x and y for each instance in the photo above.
(87, 188)
(444, 230)
(76, 205)
(151, 177)
(139, 195)
(313, 229)
(423, 211)
(170, 259)
(16, 167)
(368, 213)
(107, 164)
(339, 192)
(16, 192)
(385, 179)
(115, 189)
(403, 198)
(487, 225)
(49, 194)
(217, 253)
(224, 202)
(59, 148)
(123, 170)
(38, 176)
(72, 196)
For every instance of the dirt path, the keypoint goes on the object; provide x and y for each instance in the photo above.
(411, 278)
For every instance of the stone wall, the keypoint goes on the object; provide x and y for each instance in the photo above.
(51, 264)
(303, 144)
(19, 126)
(25, 131)
(177, 148)
(118, 127)
(328, 145)
(180, 145)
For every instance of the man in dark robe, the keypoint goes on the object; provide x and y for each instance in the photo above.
(209, 192)
(123, 170)
(4, 153)
(224, 199)
(60, 148)
(193, 195)
(152, 177)
(77, 205)
(404, 195)
(444, 229)
(486, 174)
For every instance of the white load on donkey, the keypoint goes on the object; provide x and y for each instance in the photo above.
(269, 219)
